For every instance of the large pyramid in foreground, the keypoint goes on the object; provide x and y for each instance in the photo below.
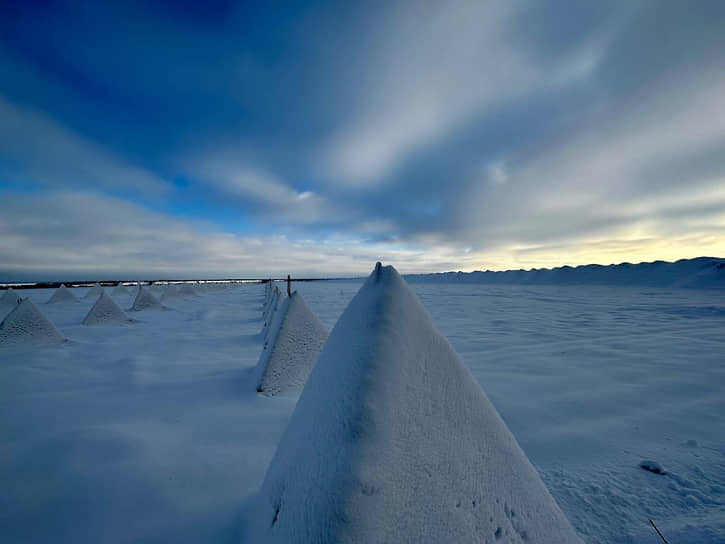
(62, 294)
(392, 440)
(145, 300)
(293, 342)
(94, 292)
(105, 311)
(26, 325)
(10, 299)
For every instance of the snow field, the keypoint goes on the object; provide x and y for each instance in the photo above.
(160, 416)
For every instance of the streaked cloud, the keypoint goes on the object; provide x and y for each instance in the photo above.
(322, 137)
(36, 149)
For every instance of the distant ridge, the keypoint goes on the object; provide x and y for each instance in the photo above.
(698, 273)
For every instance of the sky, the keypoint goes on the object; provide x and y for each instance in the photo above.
(239, 139)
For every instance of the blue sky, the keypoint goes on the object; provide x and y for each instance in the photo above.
(183, 138)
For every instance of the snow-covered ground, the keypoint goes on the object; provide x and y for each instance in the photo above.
(152, 431)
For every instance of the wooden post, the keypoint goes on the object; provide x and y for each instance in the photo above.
(289, 286)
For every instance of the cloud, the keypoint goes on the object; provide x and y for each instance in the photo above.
(261, 193)
(79, 234)
(39, 150)
(438, 66)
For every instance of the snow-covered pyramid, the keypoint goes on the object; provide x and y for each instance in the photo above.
(187, 290)
(105, 311)
(170, 292)
(26, 325)
(270, 307)
(120, 289)
(392, 440)
(9, 299)
(145, 300)
(62, 294)
(294, 341)
(94, 291)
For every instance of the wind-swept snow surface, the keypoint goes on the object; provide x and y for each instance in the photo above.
(26, 325)
(62, 294)
(94, 292)
(392, 440)
(105, 311)
(291, 349)
(9, 299)
(145, 300)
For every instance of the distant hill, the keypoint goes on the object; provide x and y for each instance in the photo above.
(698, 273)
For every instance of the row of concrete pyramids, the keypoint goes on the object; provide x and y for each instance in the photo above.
(26, 324)
(392, 439)
(292, 339)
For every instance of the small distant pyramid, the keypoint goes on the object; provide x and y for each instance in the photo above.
(145, 300)
(26, 325)
(105, 311)
(62, 294)
(392, 440)
(10, 299)
(170, 292)
(294, 341)
(94, 292)
(120, 289)
(187, 290)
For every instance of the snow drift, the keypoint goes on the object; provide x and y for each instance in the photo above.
(62, 294)
(105, 311)
(26, 325)
(392, 440)
(145, 300)
(94, 291)
(294, 340)
(9, 299)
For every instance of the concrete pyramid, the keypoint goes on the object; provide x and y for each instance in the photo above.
(271, 305)
(104, 311)
(62, 294)
(171, 292)
(120, 289)
(26, 325)
(10, 299)
(187, 290)
(145, 300)
(294, 341)
(392, 440)
(94, 292)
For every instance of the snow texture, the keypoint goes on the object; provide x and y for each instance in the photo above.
(290, 352)
(94, 292)
(9, 299)
(145, 300)
(62, 294)
(392, 440)
(105, 311)
(27, 326)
